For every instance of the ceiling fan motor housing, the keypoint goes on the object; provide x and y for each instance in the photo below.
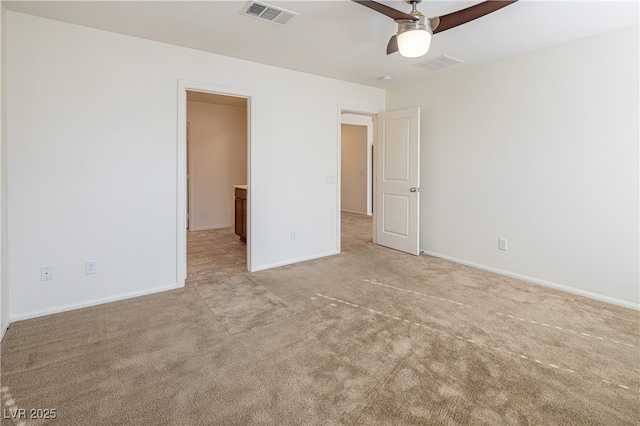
(407, 25)
(414, 37)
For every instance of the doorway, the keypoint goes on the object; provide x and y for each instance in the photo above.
(216, 173)
(356, 177)
(394, 178)
(214, 156)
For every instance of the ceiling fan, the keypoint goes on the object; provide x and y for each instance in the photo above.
(415, 30)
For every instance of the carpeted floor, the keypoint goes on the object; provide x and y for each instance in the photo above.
(371, 336)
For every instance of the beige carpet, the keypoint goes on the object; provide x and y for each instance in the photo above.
(371, 336)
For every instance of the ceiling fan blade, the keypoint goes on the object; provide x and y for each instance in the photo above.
(392, 47)
(386, 10)
(451, 20)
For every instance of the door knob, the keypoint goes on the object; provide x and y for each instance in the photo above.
(414, 189)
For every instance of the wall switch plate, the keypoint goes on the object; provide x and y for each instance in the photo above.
(46, 273)
(90, 267)
(330, 179)
(502, 244)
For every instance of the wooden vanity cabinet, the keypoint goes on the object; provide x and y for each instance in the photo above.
(241, 214)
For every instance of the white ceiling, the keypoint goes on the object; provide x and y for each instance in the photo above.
(339, 38)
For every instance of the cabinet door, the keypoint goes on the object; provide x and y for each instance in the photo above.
(239, 219)
(244, 219)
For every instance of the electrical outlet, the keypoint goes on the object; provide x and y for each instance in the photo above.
(502, 244)
(90, 267)
(294, 235)
(46, 273)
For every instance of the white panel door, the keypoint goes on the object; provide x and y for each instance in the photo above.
(397, 180)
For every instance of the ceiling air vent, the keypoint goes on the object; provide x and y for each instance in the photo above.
(269, 13)
(438, 63)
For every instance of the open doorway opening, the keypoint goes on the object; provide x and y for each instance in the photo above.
(217, 178)
(356, 179)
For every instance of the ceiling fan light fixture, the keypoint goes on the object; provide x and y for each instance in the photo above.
(415, 43)
(414, 37)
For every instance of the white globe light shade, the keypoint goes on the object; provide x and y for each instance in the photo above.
(414, 43)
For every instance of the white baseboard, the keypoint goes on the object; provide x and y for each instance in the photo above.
(85, 304)
(580, 292)
(3, 329)
(209, 227)
(353, 211)
(297, 260)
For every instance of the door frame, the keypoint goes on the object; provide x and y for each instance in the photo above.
(181, 196)
(189, 179)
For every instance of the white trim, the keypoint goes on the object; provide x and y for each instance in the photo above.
(296, 260)
(181, 222)
(533, 280)
(189, 160)
(356, 119)
(3, 330)
(92, 302)
(355, 212)
(211, 227)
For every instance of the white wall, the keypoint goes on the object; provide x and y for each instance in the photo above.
(542, 150)
(4, 270)
(218, 161)
(353, 173)
(92, 143)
